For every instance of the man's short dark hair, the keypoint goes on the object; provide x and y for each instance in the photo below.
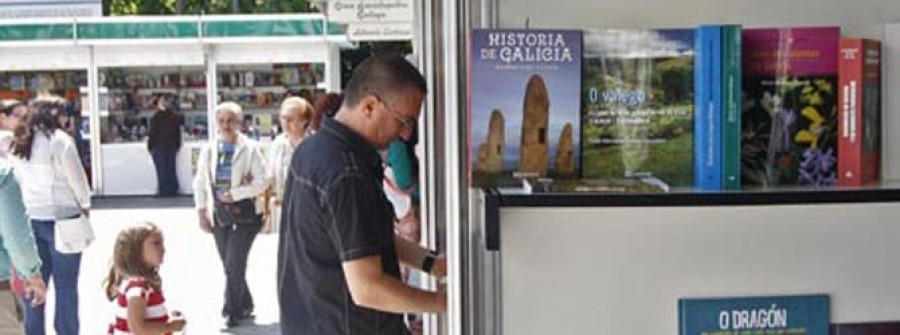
(385, 76)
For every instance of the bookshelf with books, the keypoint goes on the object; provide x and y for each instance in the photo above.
(616, 262)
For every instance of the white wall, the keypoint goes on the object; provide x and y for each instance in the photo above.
(857, 17)
(622, 270)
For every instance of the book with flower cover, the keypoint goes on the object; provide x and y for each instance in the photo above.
(789, 118)
(638, 105)
(524, 107)
(759, 315)
(859, 143)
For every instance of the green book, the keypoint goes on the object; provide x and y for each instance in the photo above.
(731, 122)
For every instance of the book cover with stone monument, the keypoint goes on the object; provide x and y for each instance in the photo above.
(638, 105)
(524, 106)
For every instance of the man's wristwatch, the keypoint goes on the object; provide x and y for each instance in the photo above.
(428, 262)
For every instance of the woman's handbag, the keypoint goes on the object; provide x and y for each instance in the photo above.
(73, 235)
(239, 212)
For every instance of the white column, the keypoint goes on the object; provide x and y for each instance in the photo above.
(94, 124)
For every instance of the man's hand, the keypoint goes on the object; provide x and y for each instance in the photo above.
(441, 298)
(35, 289)
(205, 223)
(439, 269)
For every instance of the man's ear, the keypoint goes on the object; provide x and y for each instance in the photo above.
(368, 105)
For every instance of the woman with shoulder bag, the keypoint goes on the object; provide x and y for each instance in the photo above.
(55, 191)
(227, 187)
(296, 118)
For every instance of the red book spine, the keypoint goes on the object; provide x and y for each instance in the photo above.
(850, 68)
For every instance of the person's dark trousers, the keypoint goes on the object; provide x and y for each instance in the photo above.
(64, 269)
(166, 177)
(233, 243)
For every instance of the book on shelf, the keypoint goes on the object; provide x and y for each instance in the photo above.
(866, 328)
(789, 118)
(859, 101)
(731, 107)
(523, 105)
(765, 315)
(708, 75)
(638, 105)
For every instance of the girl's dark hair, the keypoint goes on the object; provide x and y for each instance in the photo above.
(128, 259)
(41, 118)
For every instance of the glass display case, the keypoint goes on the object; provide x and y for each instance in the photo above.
(260, 89)
(134, 94)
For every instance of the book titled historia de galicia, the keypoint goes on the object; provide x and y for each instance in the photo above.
(524, 105)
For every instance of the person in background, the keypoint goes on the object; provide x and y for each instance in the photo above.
(231, 177)
(163, 142)
(338, 257)
(295, 117)
(17, 247)
(326, 106)
(134, 285)
(54, 187)
(401, 185)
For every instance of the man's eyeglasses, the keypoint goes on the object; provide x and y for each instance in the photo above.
(404, 121)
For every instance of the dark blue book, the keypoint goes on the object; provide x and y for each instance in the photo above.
(768, 315)
(708, 108)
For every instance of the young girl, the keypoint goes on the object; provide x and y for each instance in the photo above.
(134, 285)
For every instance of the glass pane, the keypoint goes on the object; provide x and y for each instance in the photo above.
(135, 94)
(261, 88)
(129, 99)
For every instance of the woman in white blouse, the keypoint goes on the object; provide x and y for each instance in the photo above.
(229, 181)
(296, 120)
(54, 187)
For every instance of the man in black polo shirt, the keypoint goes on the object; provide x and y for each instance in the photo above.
(338, 257)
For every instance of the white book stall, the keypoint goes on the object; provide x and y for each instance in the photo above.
(115, 70)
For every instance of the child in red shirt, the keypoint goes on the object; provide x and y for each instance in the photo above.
(134, 285)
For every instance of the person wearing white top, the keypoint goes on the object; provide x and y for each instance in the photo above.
(18, 251)
(54, 187)
(227, 187)
(295, 117)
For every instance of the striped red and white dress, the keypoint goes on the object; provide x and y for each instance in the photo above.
(137, 287)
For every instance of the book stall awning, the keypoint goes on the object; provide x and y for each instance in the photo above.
(211, 29)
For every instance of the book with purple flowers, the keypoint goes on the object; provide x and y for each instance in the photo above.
(789, 116)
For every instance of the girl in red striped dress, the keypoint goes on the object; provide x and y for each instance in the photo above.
(134, 285)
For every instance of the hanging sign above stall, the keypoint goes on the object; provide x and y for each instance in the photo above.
(17, 9)
(351, 11)
(388, 31)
